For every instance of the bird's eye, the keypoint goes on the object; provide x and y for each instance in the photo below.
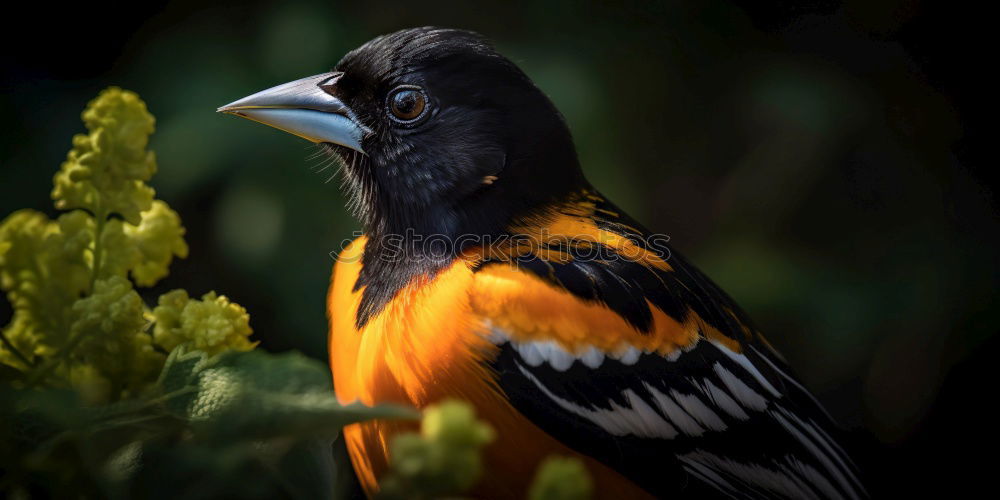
(407, 104)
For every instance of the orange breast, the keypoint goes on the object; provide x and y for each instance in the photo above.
(427, 345)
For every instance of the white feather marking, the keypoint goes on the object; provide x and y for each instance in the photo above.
(785, 417)
(494, 335)
(781, 483)
(557, 357)
(629, 356)
(709, 476)
(721, 399)
(692, 345)
(829, 491)
(592, 357)
(611, 423)
(792, 380)
(632, 420)
(831, 447)
(619, 421)
(535, 353)
(797, 474)
(651, 421)
(677, 415)
(743, 361)
(529, 353)
(543, 349)
(796, 469)
(693, 405)
(829, 440)
(743, 393)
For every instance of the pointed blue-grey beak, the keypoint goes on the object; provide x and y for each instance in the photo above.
(305, 109)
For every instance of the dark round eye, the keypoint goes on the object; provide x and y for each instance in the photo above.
(407, 104)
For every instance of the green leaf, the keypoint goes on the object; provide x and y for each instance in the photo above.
(255, 395)
(179, 378)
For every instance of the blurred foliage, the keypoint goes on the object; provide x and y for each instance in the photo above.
(237, 425)
(440, 462)
(561, 478)
(443, 460)
(101, 397)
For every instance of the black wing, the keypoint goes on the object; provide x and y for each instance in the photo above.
(706, 421)
(703, 422)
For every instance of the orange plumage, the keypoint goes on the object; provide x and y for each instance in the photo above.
(430, 343)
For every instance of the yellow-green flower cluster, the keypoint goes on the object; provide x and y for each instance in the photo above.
(113, 351)
(107, 169)
(212, 324)
(77, 318)
(157, 239)
(444, 459)
(561, 478)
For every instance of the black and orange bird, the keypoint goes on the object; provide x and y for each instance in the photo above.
(490, 270)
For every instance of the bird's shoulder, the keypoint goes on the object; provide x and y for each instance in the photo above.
(581, 272)
(618, 347)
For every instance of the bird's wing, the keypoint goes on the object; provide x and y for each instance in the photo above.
(652, 370)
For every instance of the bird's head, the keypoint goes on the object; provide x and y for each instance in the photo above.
(438, 133)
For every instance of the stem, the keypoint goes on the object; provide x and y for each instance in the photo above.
(53, 362)
(101, 218)
(14, 350)
(162, 398)
(111, 424)
(170, 395)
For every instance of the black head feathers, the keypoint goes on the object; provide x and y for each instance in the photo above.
(486, 145)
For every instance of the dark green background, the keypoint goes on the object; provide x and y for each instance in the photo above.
(823, 161)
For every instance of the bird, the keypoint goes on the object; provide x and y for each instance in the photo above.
(492, 271)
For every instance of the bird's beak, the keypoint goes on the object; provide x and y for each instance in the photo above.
(303, 108)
